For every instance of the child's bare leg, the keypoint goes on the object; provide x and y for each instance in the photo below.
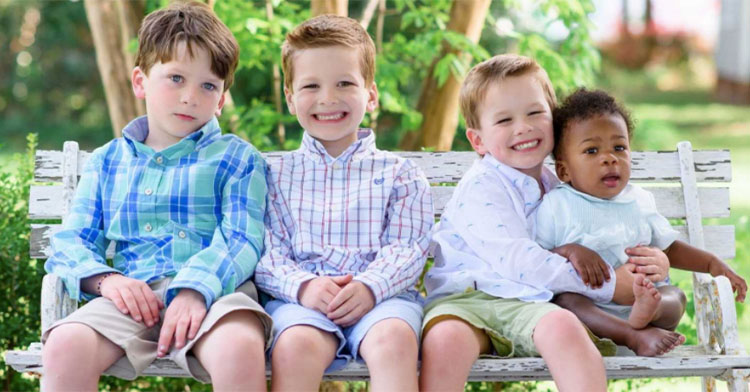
(390, 350)
(671, 308)
(449, 349)
(232, 352)
(646, 304)
(300, 356)
(572, 358)
(647, 342)
(74, 356)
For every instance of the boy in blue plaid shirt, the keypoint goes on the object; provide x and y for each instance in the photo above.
(184, 205)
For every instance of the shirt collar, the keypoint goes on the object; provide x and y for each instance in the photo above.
(624, 197)
(519, 179)
(136, 131)
(364, 145)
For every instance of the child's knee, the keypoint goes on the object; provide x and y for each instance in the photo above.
(304, 340)
(390, 338)
(558, 326)
(450, 336)
(68, 341)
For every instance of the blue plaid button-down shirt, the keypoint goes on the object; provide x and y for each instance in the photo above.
(193, 211)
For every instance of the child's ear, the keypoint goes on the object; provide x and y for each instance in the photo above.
(221, 104)
(562, 171)
(289, 102)
(372, 98)
(137, 79)
(475, 138)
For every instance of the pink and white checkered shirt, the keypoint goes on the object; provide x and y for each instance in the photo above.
(367, 213)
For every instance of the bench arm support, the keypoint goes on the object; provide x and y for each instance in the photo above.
(56, 304)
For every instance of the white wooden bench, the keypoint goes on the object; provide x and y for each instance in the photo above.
(672, 176)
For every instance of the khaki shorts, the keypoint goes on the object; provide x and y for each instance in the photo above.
(139, 341)
(508, 322)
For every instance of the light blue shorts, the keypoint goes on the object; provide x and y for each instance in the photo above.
(405, 306)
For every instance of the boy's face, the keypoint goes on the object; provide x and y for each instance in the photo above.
(596, 156)
(181, 95)
(330, 96)
(515, 125)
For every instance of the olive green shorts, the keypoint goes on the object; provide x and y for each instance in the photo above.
(508, 322)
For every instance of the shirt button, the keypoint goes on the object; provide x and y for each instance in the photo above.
(159, 160)
(147, 227)
(148, 192)
(181, 234)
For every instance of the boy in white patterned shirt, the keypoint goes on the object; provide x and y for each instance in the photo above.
(348, 224)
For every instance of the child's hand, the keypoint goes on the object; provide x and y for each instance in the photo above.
(649, 261)
(319, 292)
(351, 303)
(739, 286)
(589, 265)
(133, 297)
(183, 317)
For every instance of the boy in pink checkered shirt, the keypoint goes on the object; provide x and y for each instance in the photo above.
(348, 224)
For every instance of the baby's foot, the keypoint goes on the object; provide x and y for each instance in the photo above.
(647, 299)
(652, 341)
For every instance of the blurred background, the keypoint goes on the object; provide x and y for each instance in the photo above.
(681, 66)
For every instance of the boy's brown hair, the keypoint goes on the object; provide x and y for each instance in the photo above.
(324, 31)
(474, 88)
(192, 23)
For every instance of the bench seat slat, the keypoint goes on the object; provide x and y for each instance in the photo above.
(45, 201)
(651, 166)
(683, 361)
(719, 240)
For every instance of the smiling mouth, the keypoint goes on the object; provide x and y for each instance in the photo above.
(526, 145)
(330, 117)
(184, 117)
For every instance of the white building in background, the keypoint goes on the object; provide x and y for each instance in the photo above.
(733, 52)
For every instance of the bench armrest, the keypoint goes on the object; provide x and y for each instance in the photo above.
(56, 304)
(716, 316)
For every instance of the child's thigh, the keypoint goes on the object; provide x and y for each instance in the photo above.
(403, 307)
(286, 315)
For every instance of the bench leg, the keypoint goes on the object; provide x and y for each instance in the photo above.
(737, 380)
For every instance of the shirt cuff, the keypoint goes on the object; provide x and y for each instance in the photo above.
(292, 283)
(207, 284)
(73, 283)
(379, 287)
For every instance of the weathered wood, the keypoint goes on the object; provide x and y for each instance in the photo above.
(44, 201)
(684, 361)
(719, 354)
(647, 166)
(718, 240)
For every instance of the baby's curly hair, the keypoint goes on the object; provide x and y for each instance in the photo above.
(582, 105)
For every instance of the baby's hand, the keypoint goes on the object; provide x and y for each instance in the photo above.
(182, 320)
(739, 286)
(133, 297)
(319, 292)
(650, 261)
(352, 302)
(589, 265)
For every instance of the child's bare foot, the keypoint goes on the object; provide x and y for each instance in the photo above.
(652, 341)
(647, 299)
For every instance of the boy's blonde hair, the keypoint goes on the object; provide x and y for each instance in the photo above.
(191, 23)
(496, 69)
(328, 30)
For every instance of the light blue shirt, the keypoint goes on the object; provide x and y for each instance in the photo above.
(485, 240)
(606, 226)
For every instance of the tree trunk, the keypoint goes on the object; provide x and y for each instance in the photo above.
(336, 7)
(113, 24)
(439, 105)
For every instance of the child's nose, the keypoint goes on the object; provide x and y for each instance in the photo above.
(188, 95)
(328, 96)
(609, 158)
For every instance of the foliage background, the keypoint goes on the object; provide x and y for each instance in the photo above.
(55, 91)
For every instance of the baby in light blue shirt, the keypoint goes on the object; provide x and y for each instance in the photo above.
(596, 206)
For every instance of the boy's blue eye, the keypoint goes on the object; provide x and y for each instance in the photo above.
(345, 84)
(311, 85)
(209, 86)
(176, 78)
